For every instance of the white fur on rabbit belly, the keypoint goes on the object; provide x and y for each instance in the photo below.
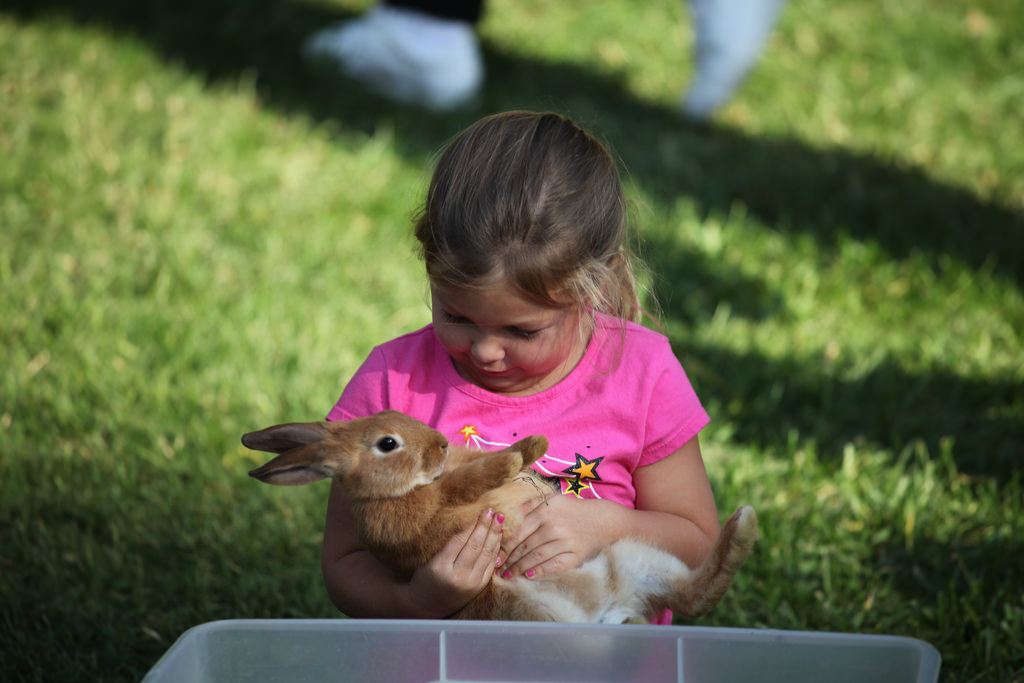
(612, 588)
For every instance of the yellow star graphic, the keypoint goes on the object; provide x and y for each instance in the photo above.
(468, 431)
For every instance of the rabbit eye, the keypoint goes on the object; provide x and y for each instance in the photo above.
(386, 444)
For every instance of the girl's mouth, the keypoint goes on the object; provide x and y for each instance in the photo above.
(492, 373)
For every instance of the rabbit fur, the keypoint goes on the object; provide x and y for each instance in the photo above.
(411, 491)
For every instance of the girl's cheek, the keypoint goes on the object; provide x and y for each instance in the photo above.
(452, 340)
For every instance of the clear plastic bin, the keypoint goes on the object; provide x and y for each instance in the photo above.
(386, 651)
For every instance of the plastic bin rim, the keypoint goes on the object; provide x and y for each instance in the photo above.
(449, 626)
(930, 657)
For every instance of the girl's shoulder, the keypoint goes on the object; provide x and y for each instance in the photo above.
(623, 354)
(411, 345)
(629, 337)
(423, 336)
(407, 355)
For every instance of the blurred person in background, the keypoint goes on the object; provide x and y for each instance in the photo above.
(426, 53)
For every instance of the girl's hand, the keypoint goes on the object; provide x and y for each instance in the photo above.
(558, 533)
(461, 569)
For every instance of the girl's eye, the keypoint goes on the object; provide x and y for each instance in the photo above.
(454, 319)
(524, 334)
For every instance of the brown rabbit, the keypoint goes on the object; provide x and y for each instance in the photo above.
(410, 492)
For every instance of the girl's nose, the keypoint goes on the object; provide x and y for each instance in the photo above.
(487, 349)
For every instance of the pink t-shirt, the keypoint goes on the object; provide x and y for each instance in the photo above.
(628, 403)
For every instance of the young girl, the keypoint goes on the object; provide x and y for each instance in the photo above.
(534, 309)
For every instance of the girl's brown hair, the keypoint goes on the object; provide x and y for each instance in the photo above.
(534, 201)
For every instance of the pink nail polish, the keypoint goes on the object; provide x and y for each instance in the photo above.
(497, 562)
(530, 573)
(506, 574)
(500, 518)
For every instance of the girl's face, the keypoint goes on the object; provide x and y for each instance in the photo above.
(505, 343)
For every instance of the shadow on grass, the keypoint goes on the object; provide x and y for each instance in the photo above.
(98, 579)
(938, 579)
(784, 183)
(965, 567)
(768, 401)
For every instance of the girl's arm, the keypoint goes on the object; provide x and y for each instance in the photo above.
(675, 510)
(360, 586)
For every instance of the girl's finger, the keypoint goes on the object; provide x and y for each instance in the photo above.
(553, 565)
(478, 574)
(510, 543)
(530, 538)
(489, 558)
(527, 559)
(476, 543)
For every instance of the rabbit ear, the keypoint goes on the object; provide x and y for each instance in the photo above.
(304, 457)
(295, 467)
(285, 437)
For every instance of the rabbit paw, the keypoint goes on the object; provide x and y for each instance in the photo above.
(515, 465)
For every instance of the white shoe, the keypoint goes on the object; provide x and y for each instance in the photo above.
(405, 55)
(729, 38)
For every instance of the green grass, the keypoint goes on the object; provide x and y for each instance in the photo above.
(199, 238)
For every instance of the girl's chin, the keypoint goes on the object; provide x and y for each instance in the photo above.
(507, 382)
(497, 382)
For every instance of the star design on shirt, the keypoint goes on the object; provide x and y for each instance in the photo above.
(575, 487)
(585, 469)
(472, 435)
